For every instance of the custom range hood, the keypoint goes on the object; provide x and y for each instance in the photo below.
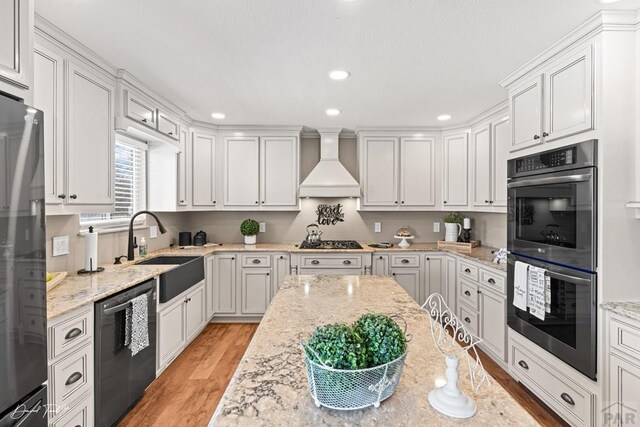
(329, 178)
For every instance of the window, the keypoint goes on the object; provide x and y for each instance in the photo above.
(130, 188)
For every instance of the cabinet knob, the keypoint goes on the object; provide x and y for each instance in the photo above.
(479, 291)
(493, 282)
(466, 270)
(263, 202)
(144, 120)
(467, 293)
(445, 202)
(256, 261)
(545, 134)
(393, 274)
(405, 261)
(256, 202)
(428, 259)
(396, 202)
(232, 258)
(380, 256)
(267, 274)
(486, 201)
(62, 196)
(214, 202)
(466, 319)
(536, 136)
(73, 196)
(281, 257)
(403, 202)
(181, 201)
(170, 133)
(491, 201)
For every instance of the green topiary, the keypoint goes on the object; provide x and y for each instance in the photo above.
(249, 227)
(338, 346)
(384, 339)
(452, 218)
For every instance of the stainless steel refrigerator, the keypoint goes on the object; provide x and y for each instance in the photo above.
(23, 300)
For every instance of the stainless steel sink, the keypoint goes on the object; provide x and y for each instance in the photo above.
(189, 272)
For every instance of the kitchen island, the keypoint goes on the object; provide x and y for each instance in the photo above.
(270, 385)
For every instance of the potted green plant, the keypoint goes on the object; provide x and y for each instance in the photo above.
(452, 226)
(249, 229)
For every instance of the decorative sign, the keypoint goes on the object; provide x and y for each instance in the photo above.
(329, 214)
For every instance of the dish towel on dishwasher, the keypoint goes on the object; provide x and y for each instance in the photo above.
(137, 324)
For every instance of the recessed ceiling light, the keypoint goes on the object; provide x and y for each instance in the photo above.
(333, 112)
(218, 115)
(339, 74)
(443, 117)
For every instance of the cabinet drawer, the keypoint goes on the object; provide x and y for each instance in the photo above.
(71, 377)
(468, 271)
(469, 319)
(262, 260)
(140, 109)
(408, 260)
(567, 397)
(81, 415)
(168, 125)
(68, 334)
(624, 338)
(493, 280)
(324, 261)
(468, 294)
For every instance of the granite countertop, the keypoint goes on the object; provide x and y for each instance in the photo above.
(76, 291)
(629, 309)
(269, 388)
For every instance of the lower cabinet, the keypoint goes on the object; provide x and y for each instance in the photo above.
(409, 279)
(624, 372)
(179, 321)
(493, 318)
(380, 265)
(256, 290)
(80, 415)
(209, 277)
(435, 277)
(224, 284)
(281, 268)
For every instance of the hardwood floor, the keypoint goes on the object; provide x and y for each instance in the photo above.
(187, 393)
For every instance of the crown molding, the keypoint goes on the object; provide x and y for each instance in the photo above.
(123, 75)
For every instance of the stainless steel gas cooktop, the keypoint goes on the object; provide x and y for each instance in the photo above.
(331, 244)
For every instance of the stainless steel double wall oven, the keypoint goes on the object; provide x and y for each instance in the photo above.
(552, 224)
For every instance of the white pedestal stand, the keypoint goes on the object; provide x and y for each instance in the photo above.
(404, 244)
(448, 399)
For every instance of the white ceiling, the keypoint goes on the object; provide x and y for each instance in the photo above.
(266, 61)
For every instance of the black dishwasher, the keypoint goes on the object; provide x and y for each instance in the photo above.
(120, 377)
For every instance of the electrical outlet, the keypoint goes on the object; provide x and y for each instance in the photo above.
(436, 227)
(60, 245)
(263, 227)
(153, 231)
(377, 227)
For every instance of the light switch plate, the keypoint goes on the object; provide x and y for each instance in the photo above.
(263, 227)
(153, 231)
(436, 227)
(377, 227)
(60, 245)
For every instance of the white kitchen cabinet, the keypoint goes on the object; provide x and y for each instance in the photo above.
(209, 277)
(409, 279)
(16, 33)
(224, 284)
(525, 103)
(183, 196)
(379, 175)
(624, 389)
(141, 109)
(417, 172)
(281, 268)
(493, 318)
(241, 166)
(569, 95)
(455, 179)
(90, 138)
(48, 96)
(451, 275)
(481, 171)
(203, 169)
(435, 273)
(500, 140)
(195, 312)
(380, 265)
(279, 176)
(256, 290)
(172, 333)
(168, 124)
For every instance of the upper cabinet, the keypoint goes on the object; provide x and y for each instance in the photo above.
(203, 170)
(397, 173)
(556, 103)
(500, 140)
(16, 44)
(78, 103)
(481, 149)
(456, 164)
(137, 107)
(261, 172)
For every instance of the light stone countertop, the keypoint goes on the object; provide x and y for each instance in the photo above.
(269, 388)
(77, 290)
(629, 309)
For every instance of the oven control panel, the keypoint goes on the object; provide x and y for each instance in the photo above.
(548, 160)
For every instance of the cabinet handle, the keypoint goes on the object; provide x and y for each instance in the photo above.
(445, 202)
(281, 257)
(405, 261)
(267, 274)
(467, 293)
(486, 201)
(523, 364)
(262, 202)
(403, 202)
(233, 258)
(214, 202)
(315, 261)
(428, 259)
(493, 282)
(536, 136)
(73, 333)
(73, 378)
(144, 120)
(466, 319)
(479, 291)
(346, 262)
(567, 399)
(545, 134)
(62, 196)
(256, 202)
(170, 133)
(380, 257)
(466, 270)
(73, 196)
(491, 202)
(393, 274)
(256, 261)
(181, 201)
(396, 202)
